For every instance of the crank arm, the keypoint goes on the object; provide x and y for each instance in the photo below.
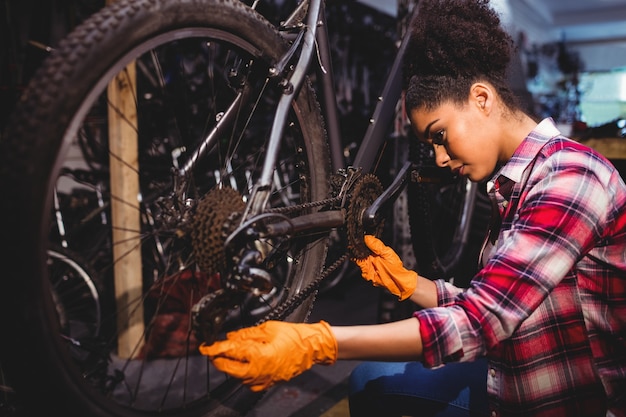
(371, 217)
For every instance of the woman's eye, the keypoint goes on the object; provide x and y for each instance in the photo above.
(438, 138)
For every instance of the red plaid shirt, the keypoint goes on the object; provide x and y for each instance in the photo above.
(548, 309)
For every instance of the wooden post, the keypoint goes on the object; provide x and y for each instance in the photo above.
(125, 214)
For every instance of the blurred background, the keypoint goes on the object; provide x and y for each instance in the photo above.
(572, 53)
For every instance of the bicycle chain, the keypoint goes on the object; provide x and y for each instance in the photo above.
(299, 207)
(286, 307)
(362, 192)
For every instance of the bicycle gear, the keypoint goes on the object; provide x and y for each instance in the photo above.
(216, 213)
(209, 314)
(364, 192)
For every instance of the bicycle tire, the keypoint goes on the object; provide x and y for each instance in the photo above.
(437, 204)
(65, 100)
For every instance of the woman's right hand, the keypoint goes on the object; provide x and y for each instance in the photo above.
(384, 269)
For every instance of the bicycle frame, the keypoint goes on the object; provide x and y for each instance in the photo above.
(311, 38)
(376, 133)
(384, 110)
(383, 113)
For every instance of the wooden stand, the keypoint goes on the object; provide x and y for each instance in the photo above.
(125, 213)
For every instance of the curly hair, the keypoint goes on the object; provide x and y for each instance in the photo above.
(453, 44)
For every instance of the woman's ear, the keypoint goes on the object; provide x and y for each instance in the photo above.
(482, 96)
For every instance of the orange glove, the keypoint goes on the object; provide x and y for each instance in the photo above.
(384, 269)
(273, 351)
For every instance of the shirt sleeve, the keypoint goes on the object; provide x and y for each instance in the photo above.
(446, 292)
(560, 217)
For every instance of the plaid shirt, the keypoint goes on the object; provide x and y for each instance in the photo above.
(548, 309)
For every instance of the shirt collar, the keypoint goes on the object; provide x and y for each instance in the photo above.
(527, 151)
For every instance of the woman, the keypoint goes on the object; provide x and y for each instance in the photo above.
(542, 327)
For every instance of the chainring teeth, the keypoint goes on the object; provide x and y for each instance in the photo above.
(363, 194)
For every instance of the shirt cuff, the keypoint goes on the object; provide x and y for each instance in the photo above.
(441, 340)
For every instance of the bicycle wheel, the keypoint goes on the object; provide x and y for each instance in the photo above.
(75, 294)
(448, 218)
(197, 70)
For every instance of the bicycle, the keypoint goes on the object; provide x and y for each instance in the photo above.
(224, 182)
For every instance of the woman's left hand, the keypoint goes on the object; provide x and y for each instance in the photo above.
(274, 351)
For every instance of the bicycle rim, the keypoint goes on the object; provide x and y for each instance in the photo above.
(185, 69)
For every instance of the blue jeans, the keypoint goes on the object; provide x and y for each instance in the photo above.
(409, 389)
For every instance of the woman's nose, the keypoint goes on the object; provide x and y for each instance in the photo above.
(441, 156)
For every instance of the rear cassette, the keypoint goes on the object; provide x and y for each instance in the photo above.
(214, 215)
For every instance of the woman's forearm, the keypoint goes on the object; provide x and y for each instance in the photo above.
(397, 341)
(425, 294)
